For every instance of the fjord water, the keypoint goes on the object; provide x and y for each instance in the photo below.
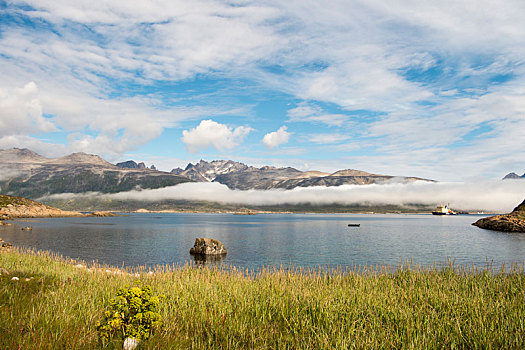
(253, 241)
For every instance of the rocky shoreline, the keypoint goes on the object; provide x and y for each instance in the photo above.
(12, 207)
(512, 222)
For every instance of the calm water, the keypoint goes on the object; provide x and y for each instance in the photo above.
(306, 240)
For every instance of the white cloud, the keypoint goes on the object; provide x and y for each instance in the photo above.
(328, 138)
(84, 84)
(276, 138)
(355, 54)
(178, 40)
(210, 133)
(305, 112)
(501, 196)
(21, 111)
(24, 141)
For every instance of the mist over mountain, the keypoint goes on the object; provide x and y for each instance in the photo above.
(85, 177)
(28, 174)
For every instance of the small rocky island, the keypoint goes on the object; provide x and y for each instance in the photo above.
(208, 246)
(512, 222)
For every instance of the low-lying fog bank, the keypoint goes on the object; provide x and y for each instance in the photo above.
(495, 196)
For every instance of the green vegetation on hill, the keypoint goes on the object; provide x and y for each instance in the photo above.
(93, 203)
(85, 181)
(13, 200)
(57, 305)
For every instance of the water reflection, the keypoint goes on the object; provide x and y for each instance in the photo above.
(208, 260)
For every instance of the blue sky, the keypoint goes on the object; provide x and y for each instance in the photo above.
(418, 88)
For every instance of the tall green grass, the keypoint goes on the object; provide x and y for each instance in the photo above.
(414, 308)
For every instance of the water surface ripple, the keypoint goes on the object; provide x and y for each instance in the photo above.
(253, 241)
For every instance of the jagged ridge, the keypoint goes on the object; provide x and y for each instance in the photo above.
(240, 176)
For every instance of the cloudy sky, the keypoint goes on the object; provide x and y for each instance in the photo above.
(419, 88)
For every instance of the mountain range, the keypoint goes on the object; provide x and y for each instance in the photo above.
(26, 173)
(240, 176)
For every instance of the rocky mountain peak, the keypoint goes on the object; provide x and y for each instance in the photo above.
(513, 176)
(20, 155)
(81, 158)
(210, 170)
(351, 172)
(267, 167)
(177, 171)
(129, 164)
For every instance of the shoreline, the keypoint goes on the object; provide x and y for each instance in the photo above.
(256, 212)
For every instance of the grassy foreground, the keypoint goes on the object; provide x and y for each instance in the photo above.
(449, 307)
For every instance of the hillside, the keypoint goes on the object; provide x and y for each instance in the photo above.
(27, 174)
(512, 222)
(17, 207)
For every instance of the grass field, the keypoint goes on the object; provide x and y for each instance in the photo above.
(57, 305)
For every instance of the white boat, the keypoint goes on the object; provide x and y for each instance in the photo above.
(443, 210)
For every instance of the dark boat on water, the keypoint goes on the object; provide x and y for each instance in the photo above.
(354, 225)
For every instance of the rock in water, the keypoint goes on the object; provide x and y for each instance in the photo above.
(513, 222)
(207, 246)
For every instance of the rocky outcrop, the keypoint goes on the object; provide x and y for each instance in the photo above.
(207, 246)
(17, 207)
(5, 246)
(102, 214)
(129, 164)
(513, 222)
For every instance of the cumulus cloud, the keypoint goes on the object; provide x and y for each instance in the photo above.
(276, 138)
(212, 134)
(501, 196)
(21, 111)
